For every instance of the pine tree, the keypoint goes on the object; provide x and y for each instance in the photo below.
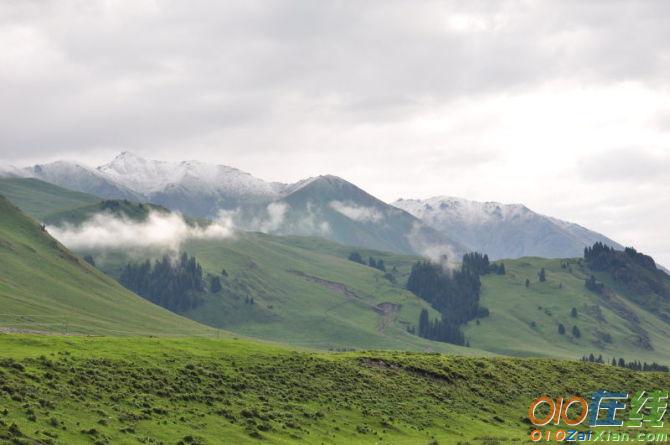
(356, 258)
(561, 329)
(215, 285)
(423, 323)
(527, 282)
(576, 332)
(542, 275)
(573, 312)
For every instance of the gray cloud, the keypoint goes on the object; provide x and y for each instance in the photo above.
(405, 99)
(86, 75)
(637, 165)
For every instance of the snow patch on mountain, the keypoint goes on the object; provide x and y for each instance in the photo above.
(440, 209)
(149, 177)
(9, 171)
(502, 230)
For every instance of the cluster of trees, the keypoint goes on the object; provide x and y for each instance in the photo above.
(440, 330)
(603, 257)
(480, 264)
(635, 365)
(453, 293)
(174, 285)
(634, 270)
(377, 264)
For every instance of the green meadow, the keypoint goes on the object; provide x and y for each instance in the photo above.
(101, 390)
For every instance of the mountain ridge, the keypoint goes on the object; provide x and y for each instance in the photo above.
(324, 205)
(503, 230)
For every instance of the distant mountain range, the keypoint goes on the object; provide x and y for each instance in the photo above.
(503, 230)
(325, 206)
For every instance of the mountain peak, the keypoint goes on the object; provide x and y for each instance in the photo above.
(502, 230)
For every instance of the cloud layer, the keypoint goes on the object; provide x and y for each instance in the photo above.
(508, 100)
(357, 213)
(160, 231)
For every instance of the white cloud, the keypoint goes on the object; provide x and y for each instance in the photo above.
(357, 213)
(164, 231)
(269, 223)
(502, 100)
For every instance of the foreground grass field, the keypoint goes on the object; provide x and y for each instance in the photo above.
(78, 390)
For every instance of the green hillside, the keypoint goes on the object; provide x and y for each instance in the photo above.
(126, 209)
(618, 323)
(39, 199)
(300, 296)
(186, 391)
(44, 287)
(524, 320)
(306, 293)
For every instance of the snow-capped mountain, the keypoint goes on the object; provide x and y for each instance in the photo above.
(9, 171)
(192, 187)
(325, 206)
(79, 178)
(502, 230)
(148, 177)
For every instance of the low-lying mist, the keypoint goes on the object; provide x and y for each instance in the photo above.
(162, 231)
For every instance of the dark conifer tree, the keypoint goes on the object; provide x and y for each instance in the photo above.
(215, 285)
(424, 323)
(576, 332)
(356, 258)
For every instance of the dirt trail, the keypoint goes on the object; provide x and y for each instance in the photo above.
(386, 311)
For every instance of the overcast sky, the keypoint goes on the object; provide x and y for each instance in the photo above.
(561, 105)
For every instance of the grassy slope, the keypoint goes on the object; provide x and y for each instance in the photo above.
(133, 390)
(292, 306)
(44, 287)
(513, 307)
(39, 199)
